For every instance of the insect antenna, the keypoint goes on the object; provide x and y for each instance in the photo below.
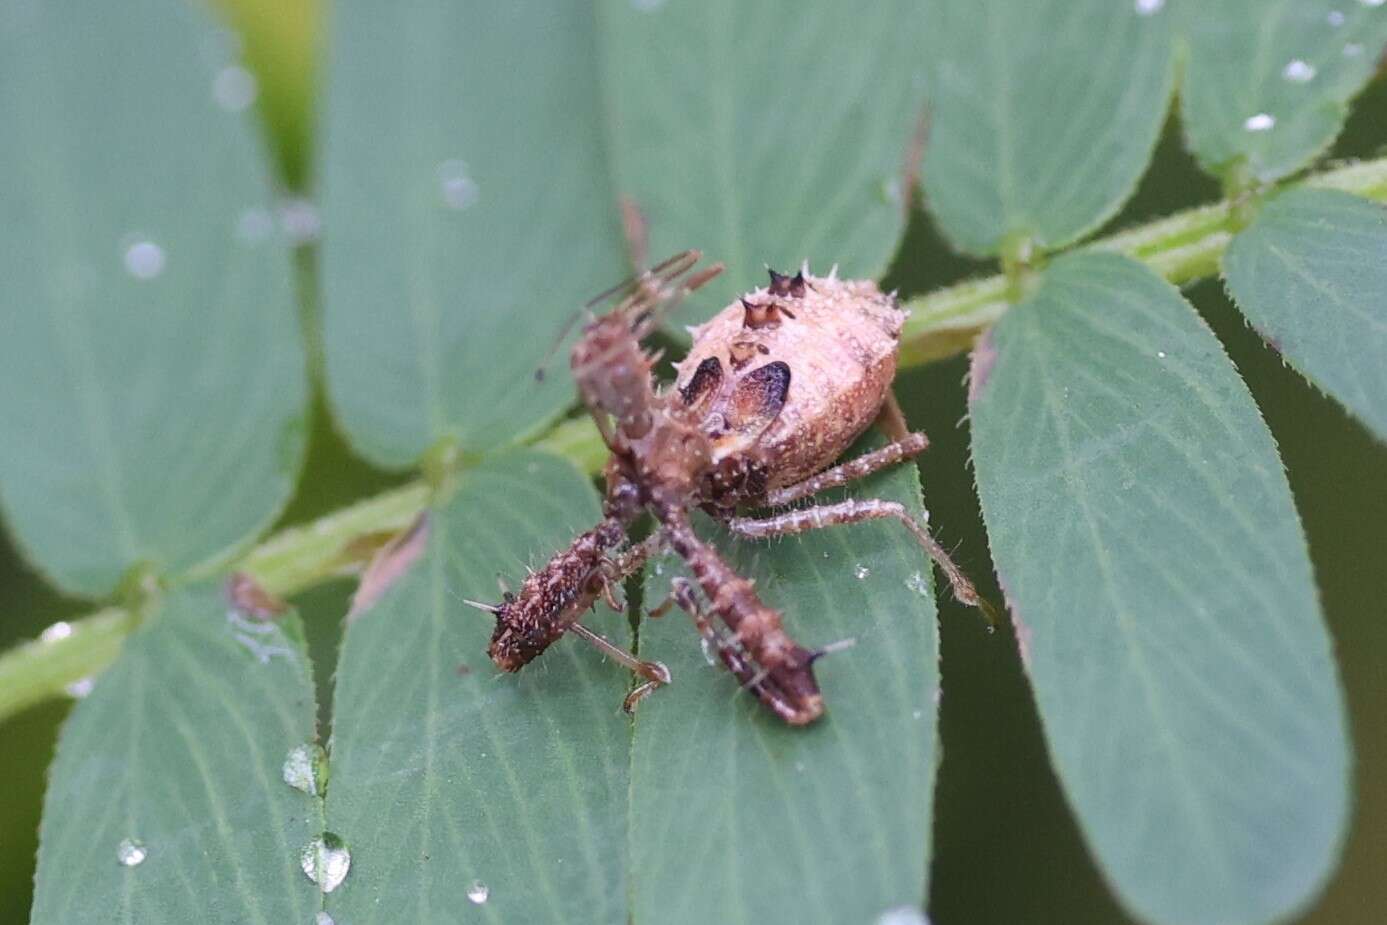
(634, 289)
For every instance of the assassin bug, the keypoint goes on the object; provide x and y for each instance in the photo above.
(774, 388)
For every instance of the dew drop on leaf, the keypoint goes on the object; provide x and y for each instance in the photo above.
(79, 688)
(902, 915)
(1298, 71)
(255, 224)
(1335, 18)
(1372, 2)
(707, 647)
(305, 768)
(478, 892)
(131, 852)
(322, 918)
(917, 583)
(1261, 122)
(1149, 7)
(144, 259)
(60, 630)
(456, 184)
(861, 571)
(300, 221)
(325, 860)
(234, 88)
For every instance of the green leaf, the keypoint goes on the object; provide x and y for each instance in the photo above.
(1158, 578)
(741, 819)
(1267, 84)
(1044, 115)
(150, 355)
(447, 777)
(770, 132)
(178, 753)
(1311, 276)
(467, 214)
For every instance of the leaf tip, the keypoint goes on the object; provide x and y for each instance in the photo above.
(980, 364)
(389, 566)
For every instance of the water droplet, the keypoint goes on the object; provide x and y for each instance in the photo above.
(890, 191)
(1149, 7)
(647, 6)
(478, 892)
(458, 187)
(1298, 71)
(80, 688)
(917, 583)
(325, 861)
(709, 654)
(825, 553)
(234, 88)
(902, 915)
(322, 918)
(300, 221)
(1372, 2)
(1334, 18)
(659, 568)
(1261, 122)
(1161, 354)
(255, 224)
(131, 852)
(861, 571)
(916, 714)
(305, 768)
(60, 630)
(144, 259)
(1353, 50)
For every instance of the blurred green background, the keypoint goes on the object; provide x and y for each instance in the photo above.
(1007, 849)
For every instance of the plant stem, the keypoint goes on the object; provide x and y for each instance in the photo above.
(1182, 248)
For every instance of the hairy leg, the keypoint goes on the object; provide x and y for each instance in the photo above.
(856, 511)
(912, 444)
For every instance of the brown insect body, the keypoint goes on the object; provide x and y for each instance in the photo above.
(838, 352)
(775, 387)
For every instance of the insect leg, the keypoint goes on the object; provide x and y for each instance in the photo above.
(891, 419)
(908, 446)
(856, 511)
(654, 673)
(751, 677)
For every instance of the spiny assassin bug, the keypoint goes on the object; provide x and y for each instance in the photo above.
(774, 388)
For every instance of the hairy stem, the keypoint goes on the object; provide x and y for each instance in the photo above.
(1182, 248)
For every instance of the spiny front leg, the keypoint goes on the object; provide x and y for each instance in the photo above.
(856, 511)
(552, 599)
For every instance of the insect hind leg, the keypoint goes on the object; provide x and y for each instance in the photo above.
(856, 510)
